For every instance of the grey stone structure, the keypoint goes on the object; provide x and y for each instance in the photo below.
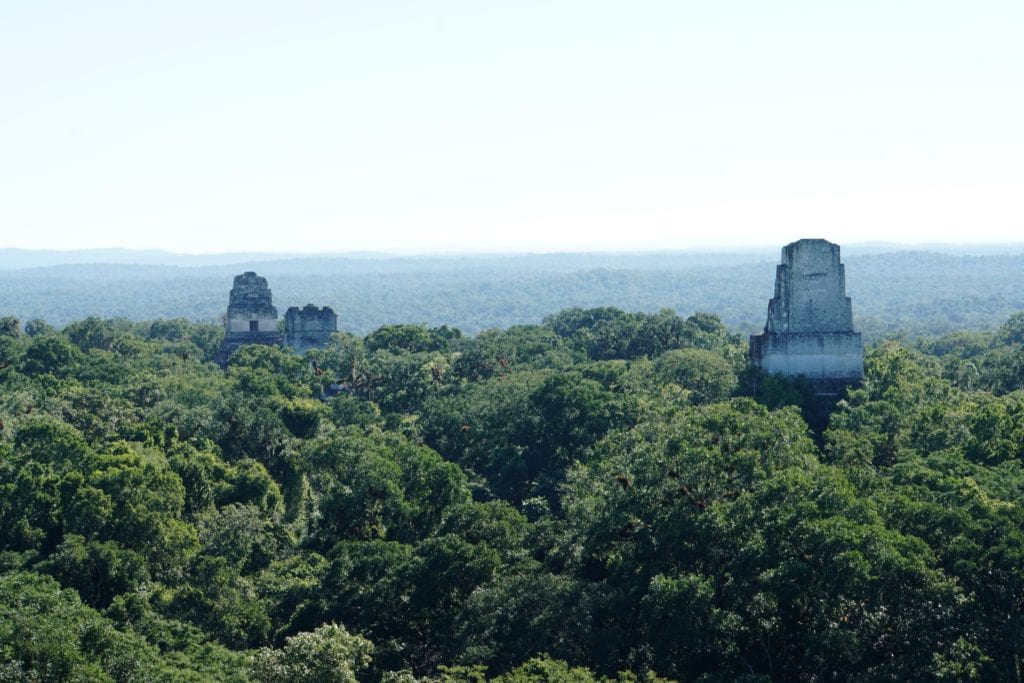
(308, 327)
(252, 318)
(810, 320)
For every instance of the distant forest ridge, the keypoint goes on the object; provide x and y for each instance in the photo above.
(894, 290)
(13, 258)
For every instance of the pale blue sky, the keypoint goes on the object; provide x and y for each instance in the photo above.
(309, 126)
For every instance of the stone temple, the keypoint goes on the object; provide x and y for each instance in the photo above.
(810, 320)
(309, 327)
(252, 319)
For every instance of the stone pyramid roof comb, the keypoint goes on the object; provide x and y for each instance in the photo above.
(809, 330)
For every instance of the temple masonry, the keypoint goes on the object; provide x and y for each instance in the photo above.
(252, 319)
(810, 320)
(309, 327)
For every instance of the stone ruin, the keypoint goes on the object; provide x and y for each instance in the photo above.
(810, 320)
(809, 331)
(252, 319)
(309, 327)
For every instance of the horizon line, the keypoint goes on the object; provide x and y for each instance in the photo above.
(498, 250)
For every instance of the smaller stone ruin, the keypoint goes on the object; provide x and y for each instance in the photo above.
(309, 327)
(810, 320)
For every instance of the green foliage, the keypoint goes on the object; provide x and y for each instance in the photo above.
(302, 416)
(47, 634)
(97, 570)
(221, 601)
(206, 338)
(506, 620)
(521, 433)
(607, 333)
(586, 500)
(411, 338)
(500, 352)
(706, 374)
(51, 354)
(347, 410)
(541, 670)
(1012, 330)
(544, 668)
(36, 327)
(95, 333)
(378, 485)
(10, 326)
(330, 654)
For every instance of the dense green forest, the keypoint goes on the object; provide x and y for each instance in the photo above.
(894, 292)
(602, 496)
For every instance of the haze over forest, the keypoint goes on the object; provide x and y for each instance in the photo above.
(599, 496)
(895, 290)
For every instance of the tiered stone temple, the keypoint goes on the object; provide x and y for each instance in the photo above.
(252, 318)
(810, 320)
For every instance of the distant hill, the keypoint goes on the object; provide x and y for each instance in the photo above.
(20, 259)
(894, 290)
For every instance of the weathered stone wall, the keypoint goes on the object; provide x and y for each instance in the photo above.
(309, 327)
(809, 330)
(831, 355)
(244, 324)
(810, 290)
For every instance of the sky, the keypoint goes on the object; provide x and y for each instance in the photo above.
(204, 127)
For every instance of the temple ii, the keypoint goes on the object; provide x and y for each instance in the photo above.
(810, 321)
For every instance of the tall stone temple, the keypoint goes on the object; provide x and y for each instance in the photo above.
(810, 320)
(252, 319)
